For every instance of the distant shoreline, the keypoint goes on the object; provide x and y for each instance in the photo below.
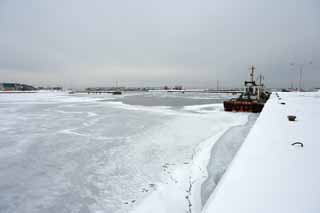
(15, 92)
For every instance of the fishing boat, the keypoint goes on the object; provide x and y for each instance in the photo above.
(252, 98)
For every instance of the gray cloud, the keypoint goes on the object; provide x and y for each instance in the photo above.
(147, 42)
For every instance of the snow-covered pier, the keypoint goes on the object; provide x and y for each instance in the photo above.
(269, 174)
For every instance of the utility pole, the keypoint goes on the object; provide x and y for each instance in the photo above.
(300, 78)
(218, 85)
(301, 67)
(261, 77)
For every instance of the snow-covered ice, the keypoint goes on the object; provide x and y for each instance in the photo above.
(268, 174)
(98, 153)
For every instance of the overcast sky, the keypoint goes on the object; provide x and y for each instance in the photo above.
(79, 43)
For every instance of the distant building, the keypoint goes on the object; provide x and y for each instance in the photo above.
(9, 87)
(16, 87)
(178, 87)
(55, 88)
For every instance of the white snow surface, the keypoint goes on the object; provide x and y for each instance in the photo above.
(83, 153)
(268, 174)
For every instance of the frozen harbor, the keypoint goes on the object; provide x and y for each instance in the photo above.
(101, 153)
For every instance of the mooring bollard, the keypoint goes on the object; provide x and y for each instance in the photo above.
(297, 143)
(292, 117)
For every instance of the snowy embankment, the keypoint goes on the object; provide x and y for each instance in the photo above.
(222, 154)
(269, 174)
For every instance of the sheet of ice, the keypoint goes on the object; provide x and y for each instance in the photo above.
(180, 188)
(77, 153)
(172, 99)
(268, 174)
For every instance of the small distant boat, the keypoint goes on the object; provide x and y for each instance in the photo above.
(117, 90)
(116, 93)
(252, 99)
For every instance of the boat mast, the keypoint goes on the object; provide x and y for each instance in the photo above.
(252, 73)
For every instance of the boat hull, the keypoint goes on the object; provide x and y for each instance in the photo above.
(243, 106)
